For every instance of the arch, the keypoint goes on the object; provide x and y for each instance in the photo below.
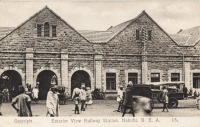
(14, 69)
(46, 29)
(79, 78)
(46, 68)
(81, 69)
(11, 80)
(45, 79)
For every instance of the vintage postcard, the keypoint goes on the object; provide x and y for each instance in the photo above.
(99, 63)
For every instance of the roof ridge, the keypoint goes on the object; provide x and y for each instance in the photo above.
(130, 22)
(24, 22)
(191, 28)
(46, 7)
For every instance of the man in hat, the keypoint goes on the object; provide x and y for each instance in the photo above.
(52, 102)
(76, 95)
(23, 102)
(128, 99)
(83, 97)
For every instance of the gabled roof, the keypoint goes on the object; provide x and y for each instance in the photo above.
(96, 36)
(5, 30)
(106, 36)
(181, 39)
(36, 15)
(188, 37)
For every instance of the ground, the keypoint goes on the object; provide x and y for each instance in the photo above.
(186, 108)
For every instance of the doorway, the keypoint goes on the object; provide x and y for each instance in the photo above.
(11, 80)
(45, 79)
(80, 78)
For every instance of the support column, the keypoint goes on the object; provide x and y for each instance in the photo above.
(144, 56)
(29, 66)
(64, 69)
(98, 72)
(187, 75)
(144, 72)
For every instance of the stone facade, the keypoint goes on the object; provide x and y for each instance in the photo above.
(23, 51)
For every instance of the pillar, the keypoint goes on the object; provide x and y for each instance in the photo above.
(98, 71)
(29, 66)
(187, 74)
(144, 72)
(64, 69)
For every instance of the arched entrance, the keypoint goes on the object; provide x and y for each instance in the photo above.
(78, 78)
(11, 79)
(44, 80)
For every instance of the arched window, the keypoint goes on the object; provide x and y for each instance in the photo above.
(46, 29)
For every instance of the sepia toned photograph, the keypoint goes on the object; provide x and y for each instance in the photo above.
(92, 59)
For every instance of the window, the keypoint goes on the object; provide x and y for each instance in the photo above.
(175, 77)
(111, 81)
(137, 35)
(46, 29)
(133, 77)
(196, 80)
(155, 77)
(149, 35)
(39, 30)
(53, 31)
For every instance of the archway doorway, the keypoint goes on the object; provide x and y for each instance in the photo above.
(11, 80)
(78, 78)
(45, 79)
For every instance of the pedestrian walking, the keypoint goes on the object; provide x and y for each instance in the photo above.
(88, 97)
(120, 97)
(23, 102)
(185, 92)
(128, 100)
(52, 102)
(165, 98)
(35, 94)
(1, 101)
(83, 97)
(76, 97)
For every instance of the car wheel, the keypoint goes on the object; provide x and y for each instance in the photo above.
(173, 103)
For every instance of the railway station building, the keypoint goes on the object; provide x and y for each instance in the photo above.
(46, 50)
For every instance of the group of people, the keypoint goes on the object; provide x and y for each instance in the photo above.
(32, 92)
(6, 95)
(125, 99)
(83, 95)
(22, 102)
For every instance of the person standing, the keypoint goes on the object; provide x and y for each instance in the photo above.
(52, 102)
(83, 97)
(120, 97)
(128, 99)
(165, 99)
(88, 97)
(23, 102)
(185, 91)
(35, 93)
(76, 97)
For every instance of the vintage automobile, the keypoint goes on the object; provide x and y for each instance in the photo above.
(143, 94)
(175, 92)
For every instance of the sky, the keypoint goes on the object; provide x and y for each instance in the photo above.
(171, 15)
